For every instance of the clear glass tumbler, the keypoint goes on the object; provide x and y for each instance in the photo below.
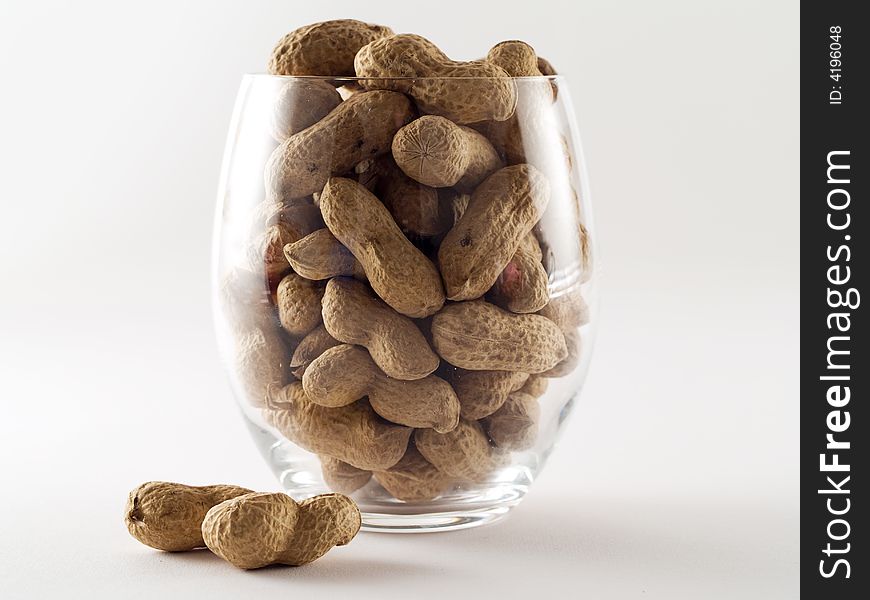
(405, 298)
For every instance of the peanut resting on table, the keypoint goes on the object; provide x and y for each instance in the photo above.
(411, 306)
(260, 529)
(248, 529)
(168, 516)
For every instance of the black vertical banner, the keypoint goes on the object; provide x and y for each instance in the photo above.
(835, 365)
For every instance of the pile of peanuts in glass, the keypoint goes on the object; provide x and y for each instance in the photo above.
(397, 313)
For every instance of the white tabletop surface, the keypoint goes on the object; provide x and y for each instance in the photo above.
(677, 475)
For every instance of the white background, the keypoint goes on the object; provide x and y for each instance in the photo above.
(678, 474)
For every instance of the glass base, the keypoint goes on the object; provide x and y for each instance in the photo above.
(432, 522)
(462, 507)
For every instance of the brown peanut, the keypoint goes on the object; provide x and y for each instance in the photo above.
(464, 92)
(480, 336)
(532, 135)
(342, 477)
(527, 136)
(515, 57)
(261, 355)
(361, 127)
(168, 516)
(353, 434)
(570, 362)
(340, 376)
(325, 49)
(522, 287)
(520, 60)
(300, 104)
(422, 403)
(260, 529)
(310, 347)
(514, 426)
(283, 225)
(320, 256)
(266, 254)
(481, 393)
(535, 386)
(352, 315)
(414, 478)
(299, 304)
(300, 215)
(463, 453)
(567, 310)
(437, 152)
(344, 374)
(397, 271)
(417, 209)
(262, 360)
(501, 211)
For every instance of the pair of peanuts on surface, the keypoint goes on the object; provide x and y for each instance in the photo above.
(247, 529)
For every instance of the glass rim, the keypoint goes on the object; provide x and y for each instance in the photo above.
(349, 79)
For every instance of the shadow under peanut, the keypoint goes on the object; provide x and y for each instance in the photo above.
(349, 565)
